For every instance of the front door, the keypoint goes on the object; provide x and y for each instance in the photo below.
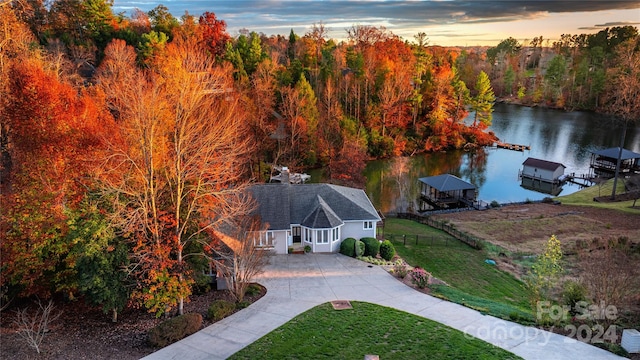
(296, 231)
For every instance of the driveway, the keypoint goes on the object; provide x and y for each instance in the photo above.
(296, 283)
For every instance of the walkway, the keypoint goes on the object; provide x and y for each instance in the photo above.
(296, 283)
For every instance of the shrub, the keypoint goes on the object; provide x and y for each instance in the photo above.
(348, 247)
(387, 251)
(307, 249)
(172, 330)
(242, 305)
(572, 293)
(400, 269)
(495, 204)
(359, 248)
(253, 290)
(371, 246)
(220, 309)
(420, 277)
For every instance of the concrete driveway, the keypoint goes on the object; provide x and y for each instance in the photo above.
(296, 283)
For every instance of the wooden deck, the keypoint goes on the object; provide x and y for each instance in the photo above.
(515, 147)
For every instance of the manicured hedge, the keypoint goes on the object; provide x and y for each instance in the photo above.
(348, 247)
(360, 248)
(387, 251)
(372, 246)
(172, 330)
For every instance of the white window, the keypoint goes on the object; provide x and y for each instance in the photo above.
(368, 225)
(322, 237)
(266, 238)
(336, 234)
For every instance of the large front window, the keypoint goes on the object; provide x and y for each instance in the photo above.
(322, 237)
(266, 238)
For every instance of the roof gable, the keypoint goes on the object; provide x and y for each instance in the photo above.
(542, 164)
(322, 217)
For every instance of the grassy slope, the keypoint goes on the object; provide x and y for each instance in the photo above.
(472, 282)
(585, 197)
(324, 333)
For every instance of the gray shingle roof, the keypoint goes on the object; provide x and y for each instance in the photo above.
(613, 153)
(542, 164)
(447, 182)
(281, 205)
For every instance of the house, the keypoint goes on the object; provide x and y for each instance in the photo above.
(317, 215)
(603, 162)
(446, 191)
(542, 170)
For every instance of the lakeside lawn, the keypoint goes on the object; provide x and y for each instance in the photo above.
(473, 282)
(325, 333)
(585, 197)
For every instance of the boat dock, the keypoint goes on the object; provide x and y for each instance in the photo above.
(515, 147)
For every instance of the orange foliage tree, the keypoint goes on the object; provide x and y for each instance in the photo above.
(179, 170)
(53, 136)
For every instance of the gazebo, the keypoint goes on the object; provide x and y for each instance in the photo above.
(603, 162)
(446, 191)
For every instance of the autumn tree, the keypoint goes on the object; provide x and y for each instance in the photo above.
(54, 134)
(179, 169)
(214, 33)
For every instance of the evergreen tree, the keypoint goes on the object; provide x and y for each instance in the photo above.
(482, 103)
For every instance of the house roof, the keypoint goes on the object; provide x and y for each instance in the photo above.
(542, 164)
(613, 153)
(310, 205)
(322, 217)
(447, 182)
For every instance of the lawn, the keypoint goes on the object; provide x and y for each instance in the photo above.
(324, 333)
(473, 282)
(585, 197)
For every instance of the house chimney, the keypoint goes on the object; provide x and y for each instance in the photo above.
(284, 175)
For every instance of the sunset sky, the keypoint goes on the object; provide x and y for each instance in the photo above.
(446, 22)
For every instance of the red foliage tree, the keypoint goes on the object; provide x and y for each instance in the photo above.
(213, 32)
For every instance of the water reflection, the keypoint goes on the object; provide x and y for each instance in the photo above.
(564, 137)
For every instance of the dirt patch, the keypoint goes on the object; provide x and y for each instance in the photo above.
(525, 228)
(83, 332)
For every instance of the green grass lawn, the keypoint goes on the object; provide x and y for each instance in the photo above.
(585, 197)
(324, 333)
(473, 283)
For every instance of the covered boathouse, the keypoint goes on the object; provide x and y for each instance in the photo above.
(445, 192)
(603, 162)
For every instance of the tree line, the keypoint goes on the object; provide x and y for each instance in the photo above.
(127, 141)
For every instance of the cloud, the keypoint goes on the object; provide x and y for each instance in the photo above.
(272, 16)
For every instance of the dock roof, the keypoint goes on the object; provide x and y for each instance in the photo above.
(447, 182)
(613, 153)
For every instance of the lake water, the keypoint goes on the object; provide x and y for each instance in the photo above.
(554, 135)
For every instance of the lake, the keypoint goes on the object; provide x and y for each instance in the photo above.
(554, 135)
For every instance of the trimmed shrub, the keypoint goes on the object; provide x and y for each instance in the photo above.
(387, 251)
(359, 248)
(252, 290)
(220, 309)
(371, 246)
(172, 330)
(348, 247)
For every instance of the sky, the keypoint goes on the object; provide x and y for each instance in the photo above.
(446, 22)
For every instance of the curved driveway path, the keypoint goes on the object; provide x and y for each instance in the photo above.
(296, 283)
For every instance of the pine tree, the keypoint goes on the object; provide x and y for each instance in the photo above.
(482, 103)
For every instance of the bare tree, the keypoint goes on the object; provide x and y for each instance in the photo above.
(622, 97)
(34, 325)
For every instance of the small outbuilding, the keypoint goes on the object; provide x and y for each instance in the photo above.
(542, 170)
(446, 191)
(603, 162)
